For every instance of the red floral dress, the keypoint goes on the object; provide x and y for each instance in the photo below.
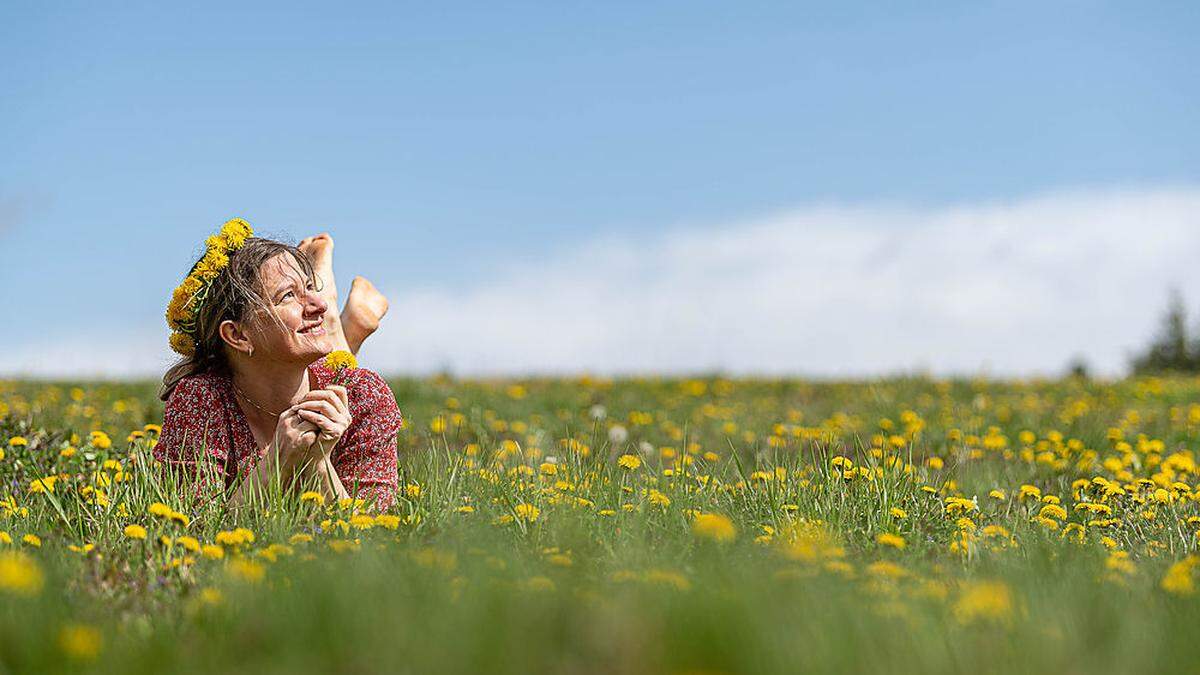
(202, 420)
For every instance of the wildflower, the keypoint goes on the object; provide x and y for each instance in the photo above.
(340, 360)
(886, 570)
(629, 462)
(17, 442)
(274, 551)
(32, 540)
(245, 570)
(667, 578)
(892, 540)
(135, 531)
(80, 642)
(1053, 511)
(984, 600)
(211, 596)
(935, 463)
(714, 526)
(898, 513)
(43, 485)
(212, 551)
(1178, 579)
(659, 499)
(389, 521)
(235, 537)
(159, 509)
(527, 512)
(956, 505)
(20, 575)
(361, 521)
(190, 544)
(300, 538)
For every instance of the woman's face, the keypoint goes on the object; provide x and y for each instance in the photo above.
(299, 335)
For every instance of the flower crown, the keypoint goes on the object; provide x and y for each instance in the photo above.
(189, 296)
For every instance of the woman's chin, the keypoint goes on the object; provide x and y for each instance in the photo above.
(315, 346)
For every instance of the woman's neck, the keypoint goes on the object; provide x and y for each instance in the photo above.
(270, 388)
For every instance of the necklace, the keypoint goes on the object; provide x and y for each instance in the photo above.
(251, 401)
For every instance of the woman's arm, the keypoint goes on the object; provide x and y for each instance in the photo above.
(293, 452)
(331, 483)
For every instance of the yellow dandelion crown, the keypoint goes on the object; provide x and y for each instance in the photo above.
(189, 295)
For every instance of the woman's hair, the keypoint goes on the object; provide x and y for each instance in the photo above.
(232, 294)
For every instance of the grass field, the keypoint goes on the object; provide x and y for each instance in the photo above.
(648, 525)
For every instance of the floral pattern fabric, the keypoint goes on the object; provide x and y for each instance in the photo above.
(205, 432)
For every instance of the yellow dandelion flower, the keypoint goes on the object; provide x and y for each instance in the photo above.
(892, 540)
(20, 575)
(527, 512)
(340, 360)
(629, 462)
(714, 526)
(984, 600)
(43, 485)
(242, 569)
(135, 531)
(80, 642)
(386, 520)
(182, 344)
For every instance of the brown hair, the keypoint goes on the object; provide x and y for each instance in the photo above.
(231, 296)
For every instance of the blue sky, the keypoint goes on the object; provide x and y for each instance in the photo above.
(451, 148)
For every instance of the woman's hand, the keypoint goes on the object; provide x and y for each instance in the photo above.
(329, 411)
(296, 438)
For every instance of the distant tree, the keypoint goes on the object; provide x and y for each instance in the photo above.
(1078, 368)
(1171, 349)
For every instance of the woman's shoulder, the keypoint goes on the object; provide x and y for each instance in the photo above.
(197, 387)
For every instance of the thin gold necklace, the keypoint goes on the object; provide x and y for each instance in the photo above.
(251, 401)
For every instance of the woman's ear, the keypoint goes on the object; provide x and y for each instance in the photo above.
(235, 337)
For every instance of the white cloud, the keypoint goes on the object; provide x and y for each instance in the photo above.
(1008, 288)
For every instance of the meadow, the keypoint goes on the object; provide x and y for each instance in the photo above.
(631, 525)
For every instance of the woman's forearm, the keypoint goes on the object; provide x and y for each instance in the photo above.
(264, 474)
(331, 483)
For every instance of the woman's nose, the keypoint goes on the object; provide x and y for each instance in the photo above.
(316, 304)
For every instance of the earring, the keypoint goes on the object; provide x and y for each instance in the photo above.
(250, 352)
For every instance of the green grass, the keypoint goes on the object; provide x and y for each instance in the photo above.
(611, 576)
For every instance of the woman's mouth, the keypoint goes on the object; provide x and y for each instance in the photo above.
(313, 329)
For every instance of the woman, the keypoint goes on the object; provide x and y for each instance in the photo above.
(251, 401)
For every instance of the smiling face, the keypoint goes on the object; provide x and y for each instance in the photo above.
(295, 332)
